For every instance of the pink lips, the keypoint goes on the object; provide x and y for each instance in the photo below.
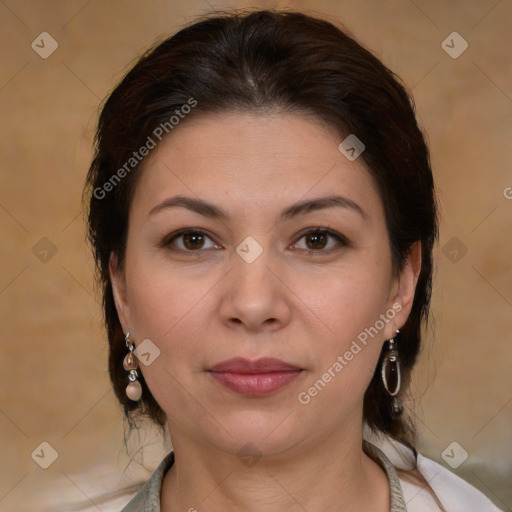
(254, 378)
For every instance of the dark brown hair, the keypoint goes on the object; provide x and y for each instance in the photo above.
(269, 61)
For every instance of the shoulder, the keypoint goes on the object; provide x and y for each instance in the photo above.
(453, 492)
(440, 486)
(148, 497)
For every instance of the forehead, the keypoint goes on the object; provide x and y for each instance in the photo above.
(253, 159)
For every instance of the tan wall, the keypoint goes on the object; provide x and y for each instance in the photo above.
(53, 380)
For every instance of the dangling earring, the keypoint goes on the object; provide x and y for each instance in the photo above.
(391, 376)
(130, 364)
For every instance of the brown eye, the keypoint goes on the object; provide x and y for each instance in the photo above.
(193, 240)
(317, 240)
(188, 241)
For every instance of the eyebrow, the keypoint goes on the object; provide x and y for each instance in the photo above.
(302, 207)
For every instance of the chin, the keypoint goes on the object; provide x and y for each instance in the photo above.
(266, 433)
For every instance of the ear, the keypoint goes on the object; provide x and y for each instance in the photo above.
(118, 280)
(402, 296)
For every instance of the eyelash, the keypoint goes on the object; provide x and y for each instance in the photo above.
(341, 240)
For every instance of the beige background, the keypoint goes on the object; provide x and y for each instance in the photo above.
(53, 381)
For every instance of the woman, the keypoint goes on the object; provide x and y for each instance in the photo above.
(262, 213)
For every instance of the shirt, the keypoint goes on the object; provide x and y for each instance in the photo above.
(453, 493)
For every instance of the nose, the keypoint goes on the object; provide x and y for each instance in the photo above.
(255, 297)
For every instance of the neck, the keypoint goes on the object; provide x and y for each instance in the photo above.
(334, 476)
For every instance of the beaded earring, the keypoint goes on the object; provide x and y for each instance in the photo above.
(130, 364)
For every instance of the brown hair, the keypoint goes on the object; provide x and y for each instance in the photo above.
(262, 61)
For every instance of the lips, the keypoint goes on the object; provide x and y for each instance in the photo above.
(256, 378)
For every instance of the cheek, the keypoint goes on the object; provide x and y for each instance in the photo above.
(351, 308)
(167, 309)
(346, 300)
(345, 361)
(163, 303)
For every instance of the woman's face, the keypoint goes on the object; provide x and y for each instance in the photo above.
(290, 261)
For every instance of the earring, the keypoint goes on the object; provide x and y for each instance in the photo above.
(391, 376)
(130, 364)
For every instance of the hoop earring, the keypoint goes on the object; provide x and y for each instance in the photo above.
(391, 376)
(391, 369)
(130, 364)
